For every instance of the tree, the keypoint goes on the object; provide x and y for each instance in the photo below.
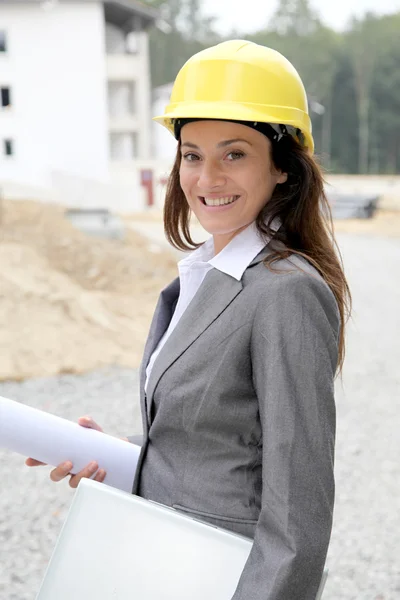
(294, 17)
(344, 147)
(363, 42)
(385, 100)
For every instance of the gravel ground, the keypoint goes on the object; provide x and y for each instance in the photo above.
(364, 554)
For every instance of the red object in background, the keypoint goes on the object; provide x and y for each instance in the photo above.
(146, 181)
(163, 180)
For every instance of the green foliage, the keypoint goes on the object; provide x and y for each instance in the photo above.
(385, 101)
(189, 32)
(294, 17)
(354, 76)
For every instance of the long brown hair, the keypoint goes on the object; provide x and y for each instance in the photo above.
(303, 209)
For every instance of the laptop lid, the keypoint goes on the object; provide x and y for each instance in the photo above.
(114, 545)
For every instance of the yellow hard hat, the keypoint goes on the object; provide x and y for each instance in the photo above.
(240, 81)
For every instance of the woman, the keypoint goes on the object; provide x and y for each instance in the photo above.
(238, 370)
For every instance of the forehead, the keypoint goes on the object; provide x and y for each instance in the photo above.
(217, 131)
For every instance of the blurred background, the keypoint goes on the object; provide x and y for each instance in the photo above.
(83, 170)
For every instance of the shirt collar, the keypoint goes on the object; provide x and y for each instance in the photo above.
(234, 259)
(239, 253)
(203, 254)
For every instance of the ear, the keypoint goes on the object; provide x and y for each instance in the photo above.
(282, 178)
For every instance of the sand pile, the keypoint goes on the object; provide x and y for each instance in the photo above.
(70, 302)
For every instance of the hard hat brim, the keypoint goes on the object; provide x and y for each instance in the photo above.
(233, 111)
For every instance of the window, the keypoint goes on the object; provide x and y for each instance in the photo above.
(9, 147)
(123, 146)
(122, 98)
(5, 97)
(3, 42)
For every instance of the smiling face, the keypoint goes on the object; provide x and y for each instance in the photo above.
(227, 176)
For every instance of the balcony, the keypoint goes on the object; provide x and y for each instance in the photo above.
(123, 124)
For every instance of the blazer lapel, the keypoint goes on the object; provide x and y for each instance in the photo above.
(215, 294)
(161, 319)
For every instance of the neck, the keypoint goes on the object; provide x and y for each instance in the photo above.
(223, 239)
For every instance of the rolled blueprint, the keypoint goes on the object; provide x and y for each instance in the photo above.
(53, 440)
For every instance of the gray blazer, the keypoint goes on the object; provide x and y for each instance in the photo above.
(239, 418)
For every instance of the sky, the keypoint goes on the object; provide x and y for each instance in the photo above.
(250, 15)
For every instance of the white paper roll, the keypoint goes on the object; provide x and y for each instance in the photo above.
(53, 440)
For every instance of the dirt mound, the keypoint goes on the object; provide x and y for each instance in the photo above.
(71, 302)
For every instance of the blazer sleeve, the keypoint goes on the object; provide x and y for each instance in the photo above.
(294, 351)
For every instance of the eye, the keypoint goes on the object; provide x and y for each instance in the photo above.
(235, 155)
(190, 157)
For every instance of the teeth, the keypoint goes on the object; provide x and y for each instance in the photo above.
(219, 201)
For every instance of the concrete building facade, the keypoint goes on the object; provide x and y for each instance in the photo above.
(75, 91)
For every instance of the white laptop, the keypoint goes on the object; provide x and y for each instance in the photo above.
(115, 546)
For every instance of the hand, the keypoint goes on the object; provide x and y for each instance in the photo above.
(63, 470)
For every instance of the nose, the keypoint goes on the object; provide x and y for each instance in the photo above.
(211, 175)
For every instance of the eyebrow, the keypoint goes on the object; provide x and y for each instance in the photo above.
(220, 145)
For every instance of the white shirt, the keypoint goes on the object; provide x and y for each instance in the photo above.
(233, 260)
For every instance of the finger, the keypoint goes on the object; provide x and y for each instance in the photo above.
(89, 423)
(87, 472)
(100, 475)
(31, 462)
(61, 471)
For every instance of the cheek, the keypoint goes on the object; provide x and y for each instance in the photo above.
(258, 185)
(267, 183)
(186, 180)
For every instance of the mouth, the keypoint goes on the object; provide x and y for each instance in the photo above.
(222, 201)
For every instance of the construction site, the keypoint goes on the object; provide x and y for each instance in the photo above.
(72, 302)
(96, 97)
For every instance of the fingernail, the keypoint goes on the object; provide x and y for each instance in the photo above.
(92, 466)
(101, 473)
(68, 466)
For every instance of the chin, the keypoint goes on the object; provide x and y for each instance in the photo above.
(212, 227)
(219, 225)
